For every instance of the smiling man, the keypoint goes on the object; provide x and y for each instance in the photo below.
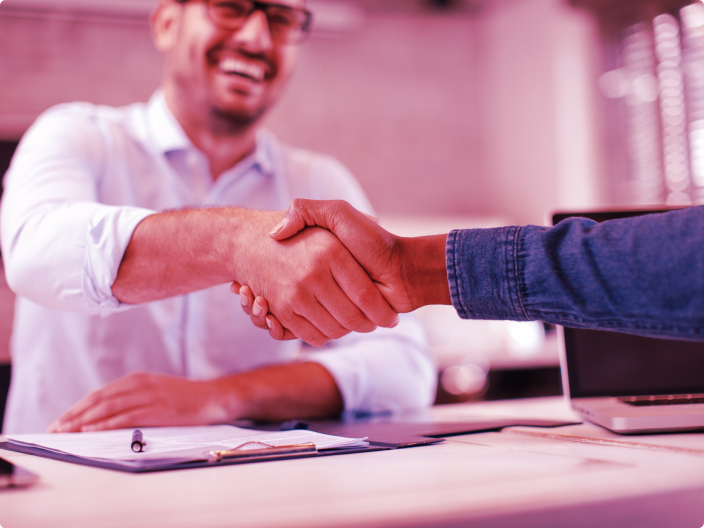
(122, 227)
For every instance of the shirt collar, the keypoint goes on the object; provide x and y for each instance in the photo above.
(169, 136)
(166, 130)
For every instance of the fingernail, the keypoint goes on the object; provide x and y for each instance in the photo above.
(395, 323)
(278, 227)
(256, 309)
(243, 298)
(268, 323)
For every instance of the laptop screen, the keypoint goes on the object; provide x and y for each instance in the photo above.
(601, 363)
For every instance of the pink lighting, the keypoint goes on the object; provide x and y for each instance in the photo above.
(642, 114)
(672, 108)
(660, 82)
(693, 49)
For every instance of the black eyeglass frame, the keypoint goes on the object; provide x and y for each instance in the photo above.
(303, 32)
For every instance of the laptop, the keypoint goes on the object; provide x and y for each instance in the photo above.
(629, 383)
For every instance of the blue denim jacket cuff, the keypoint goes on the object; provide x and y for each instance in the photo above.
(481, 271)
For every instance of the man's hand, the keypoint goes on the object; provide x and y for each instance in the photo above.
(258, 311)
(312, 277)
(142, 400)
(409, 272)
(275, 393)
(313, 285)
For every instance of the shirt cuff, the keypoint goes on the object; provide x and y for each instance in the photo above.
(389, 370)
(109, 233)
(482, 273)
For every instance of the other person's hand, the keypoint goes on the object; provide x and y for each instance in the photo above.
(314, 286)
(409, 272)
(379, 252)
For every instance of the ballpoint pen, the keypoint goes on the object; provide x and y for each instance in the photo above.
(137, 444)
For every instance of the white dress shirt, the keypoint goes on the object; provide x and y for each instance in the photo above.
(81, 180)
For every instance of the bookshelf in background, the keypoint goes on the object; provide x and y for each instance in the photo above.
(653, 106)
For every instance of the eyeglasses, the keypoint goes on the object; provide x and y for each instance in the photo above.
(287, 25)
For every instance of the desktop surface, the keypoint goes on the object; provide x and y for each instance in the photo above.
(567, 476)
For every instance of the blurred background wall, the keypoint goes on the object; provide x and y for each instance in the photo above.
(477, 109)
(451, 113)
(474, 108)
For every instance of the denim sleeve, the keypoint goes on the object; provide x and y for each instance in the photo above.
(642, 275)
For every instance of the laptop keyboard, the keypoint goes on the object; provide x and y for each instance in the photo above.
(667, 399)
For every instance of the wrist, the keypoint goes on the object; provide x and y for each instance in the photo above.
(424, 272)
(243, 235)
(230, 399)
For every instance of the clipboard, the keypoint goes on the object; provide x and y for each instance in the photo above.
(211, 456)
(291, 452)
(383, 434)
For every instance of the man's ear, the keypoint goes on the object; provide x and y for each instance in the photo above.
(164, 22)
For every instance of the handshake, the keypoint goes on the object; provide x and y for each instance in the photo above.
(352, 278)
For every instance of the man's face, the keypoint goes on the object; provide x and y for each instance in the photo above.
(232, 76)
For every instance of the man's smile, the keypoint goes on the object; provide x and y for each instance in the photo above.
(234, 66)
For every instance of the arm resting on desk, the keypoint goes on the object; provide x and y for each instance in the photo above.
(275, 393)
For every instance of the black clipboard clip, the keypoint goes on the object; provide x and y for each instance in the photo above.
(266, 453)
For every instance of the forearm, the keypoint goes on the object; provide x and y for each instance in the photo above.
(140, 399)
(281, 392)
(177, 252)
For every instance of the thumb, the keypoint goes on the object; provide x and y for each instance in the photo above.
(292, 223)
(322, 213)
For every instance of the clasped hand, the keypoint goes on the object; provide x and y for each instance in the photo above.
(396, 265)
(314, 286)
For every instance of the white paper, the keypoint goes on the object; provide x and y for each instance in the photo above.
(173, 442)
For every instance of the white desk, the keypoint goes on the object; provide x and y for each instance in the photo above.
(488, 479)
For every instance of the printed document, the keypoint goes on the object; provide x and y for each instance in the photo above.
(174, 443)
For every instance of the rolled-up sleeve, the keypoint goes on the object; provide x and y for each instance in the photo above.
(61, 248)
(390, 369)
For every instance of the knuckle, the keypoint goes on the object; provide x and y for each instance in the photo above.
(297, 203)
(367, 297)
(337, 334)
(259, 323)
(319, 341)
(111, 407)
(315, 339)
(354, 321)
(93, 398)
(366, 327)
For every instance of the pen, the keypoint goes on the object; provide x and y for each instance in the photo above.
(137, 444)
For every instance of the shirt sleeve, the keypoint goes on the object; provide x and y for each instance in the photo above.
(390, 369)
(387, 369)
(61, 248)
(642, 275)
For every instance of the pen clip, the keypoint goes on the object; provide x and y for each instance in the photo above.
(270, 451)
